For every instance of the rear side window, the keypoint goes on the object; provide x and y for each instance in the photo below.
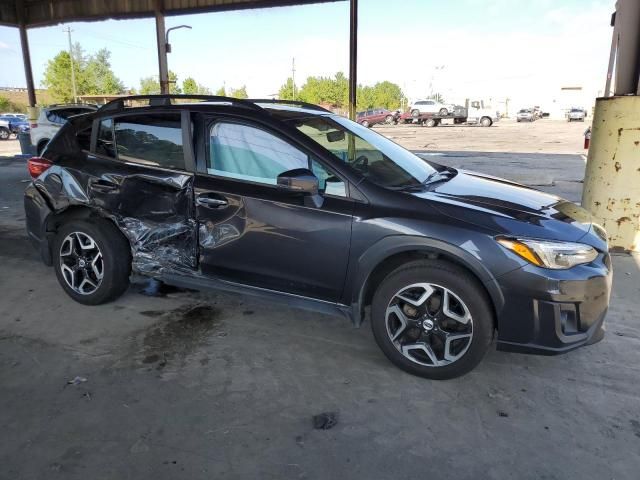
(154, 140)
(60, 115)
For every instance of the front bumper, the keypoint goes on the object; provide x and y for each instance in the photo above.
(550, 312)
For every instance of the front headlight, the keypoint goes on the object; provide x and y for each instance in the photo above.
(549, 254)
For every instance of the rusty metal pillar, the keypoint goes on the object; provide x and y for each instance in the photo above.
(353, 58)
(162, 48)
(26, 56)
(612, 178)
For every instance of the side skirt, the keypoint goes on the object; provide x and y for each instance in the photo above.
(296, 301)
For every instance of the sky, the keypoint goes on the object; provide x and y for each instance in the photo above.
(521, 49)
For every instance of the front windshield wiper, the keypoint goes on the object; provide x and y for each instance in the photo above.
(440, 176)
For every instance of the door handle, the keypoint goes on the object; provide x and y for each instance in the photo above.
(211, 202)
(104, 187)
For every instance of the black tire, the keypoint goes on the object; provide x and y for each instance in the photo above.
(461, 283)
(365, 124)
(5, 133)
(431, 122)
(443, 112)
(116, 258)
(415, 113)
(388, 119)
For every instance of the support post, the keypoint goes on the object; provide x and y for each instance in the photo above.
(26, 56)
(162, 49)
(627, 25)
(353, 58)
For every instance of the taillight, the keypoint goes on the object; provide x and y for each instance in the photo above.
(34, 125)
(37, 166)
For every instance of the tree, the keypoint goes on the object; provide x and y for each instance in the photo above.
(286, 91)
(191, 87)
(93, 74)
(151, 86)
(221, 92)
(239, 92)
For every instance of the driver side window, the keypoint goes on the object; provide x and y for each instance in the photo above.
(251, 154)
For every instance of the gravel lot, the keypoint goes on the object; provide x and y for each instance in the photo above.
(205, 385)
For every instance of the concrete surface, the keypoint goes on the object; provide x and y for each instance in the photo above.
(507, 135)
(212, 386)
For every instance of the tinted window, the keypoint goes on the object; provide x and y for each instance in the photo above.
(104, 145)
(150, 140)
(60, 115)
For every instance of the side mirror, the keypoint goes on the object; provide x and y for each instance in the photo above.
(301, 180)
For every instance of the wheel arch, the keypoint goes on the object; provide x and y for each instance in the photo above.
(391, 252)
(75, 212)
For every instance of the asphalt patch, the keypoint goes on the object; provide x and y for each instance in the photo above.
(325, 420)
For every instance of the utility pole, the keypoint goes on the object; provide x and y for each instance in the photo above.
(73, 72)
(293, 77)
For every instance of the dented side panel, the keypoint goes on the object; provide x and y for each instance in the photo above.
(152, 207)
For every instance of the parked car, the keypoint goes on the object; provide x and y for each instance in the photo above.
(293, 203)
(51, 119)
(16, 124)
(525, 115)
(576, 114)
(5, 129)
(372, 117)
(21, 116)
(430, 106)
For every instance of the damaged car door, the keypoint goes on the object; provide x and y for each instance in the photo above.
(141, 181)
(257, 226)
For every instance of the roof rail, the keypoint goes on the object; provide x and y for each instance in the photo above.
(293, 103)
(157, 100)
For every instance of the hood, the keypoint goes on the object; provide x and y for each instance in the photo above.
(509, 208)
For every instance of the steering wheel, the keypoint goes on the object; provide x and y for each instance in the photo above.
(361, 164)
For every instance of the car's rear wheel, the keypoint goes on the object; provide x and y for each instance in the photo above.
(415, 113)
(365, 123)
(92, 261)
(388, 119)
(432, 319)
(4, 133)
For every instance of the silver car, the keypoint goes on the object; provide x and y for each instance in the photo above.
(525, 115)
(576, 114)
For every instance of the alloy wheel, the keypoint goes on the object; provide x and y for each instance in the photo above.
(81, 263)
(4, 134)
(429, 324)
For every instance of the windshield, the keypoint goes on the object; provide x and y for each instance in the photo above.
(375, 157)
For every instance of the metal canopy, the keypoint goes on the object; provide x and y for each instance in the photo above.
(40, 13)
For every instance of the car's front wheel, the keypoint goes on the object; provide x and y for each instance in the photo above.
(443, 112)
(432, 319)
(92, 261)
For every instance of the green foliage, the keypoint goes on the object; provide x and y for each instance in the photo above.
(191, 87)
(151, 85)
(239, 92)
(92, 72)
(7, 105)
(286, 90)
(221, 92)
(335, 92)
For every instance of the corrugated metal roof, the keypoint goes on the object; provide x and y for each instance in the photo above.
(39, 13)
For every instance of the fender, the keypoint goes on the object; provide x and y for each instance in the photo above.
(392, 245)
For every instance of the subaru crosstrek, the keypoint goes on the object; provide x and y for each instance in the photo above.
(290, 202)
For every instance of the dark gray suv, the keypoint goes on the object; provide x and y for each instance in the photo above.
(290, 202)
